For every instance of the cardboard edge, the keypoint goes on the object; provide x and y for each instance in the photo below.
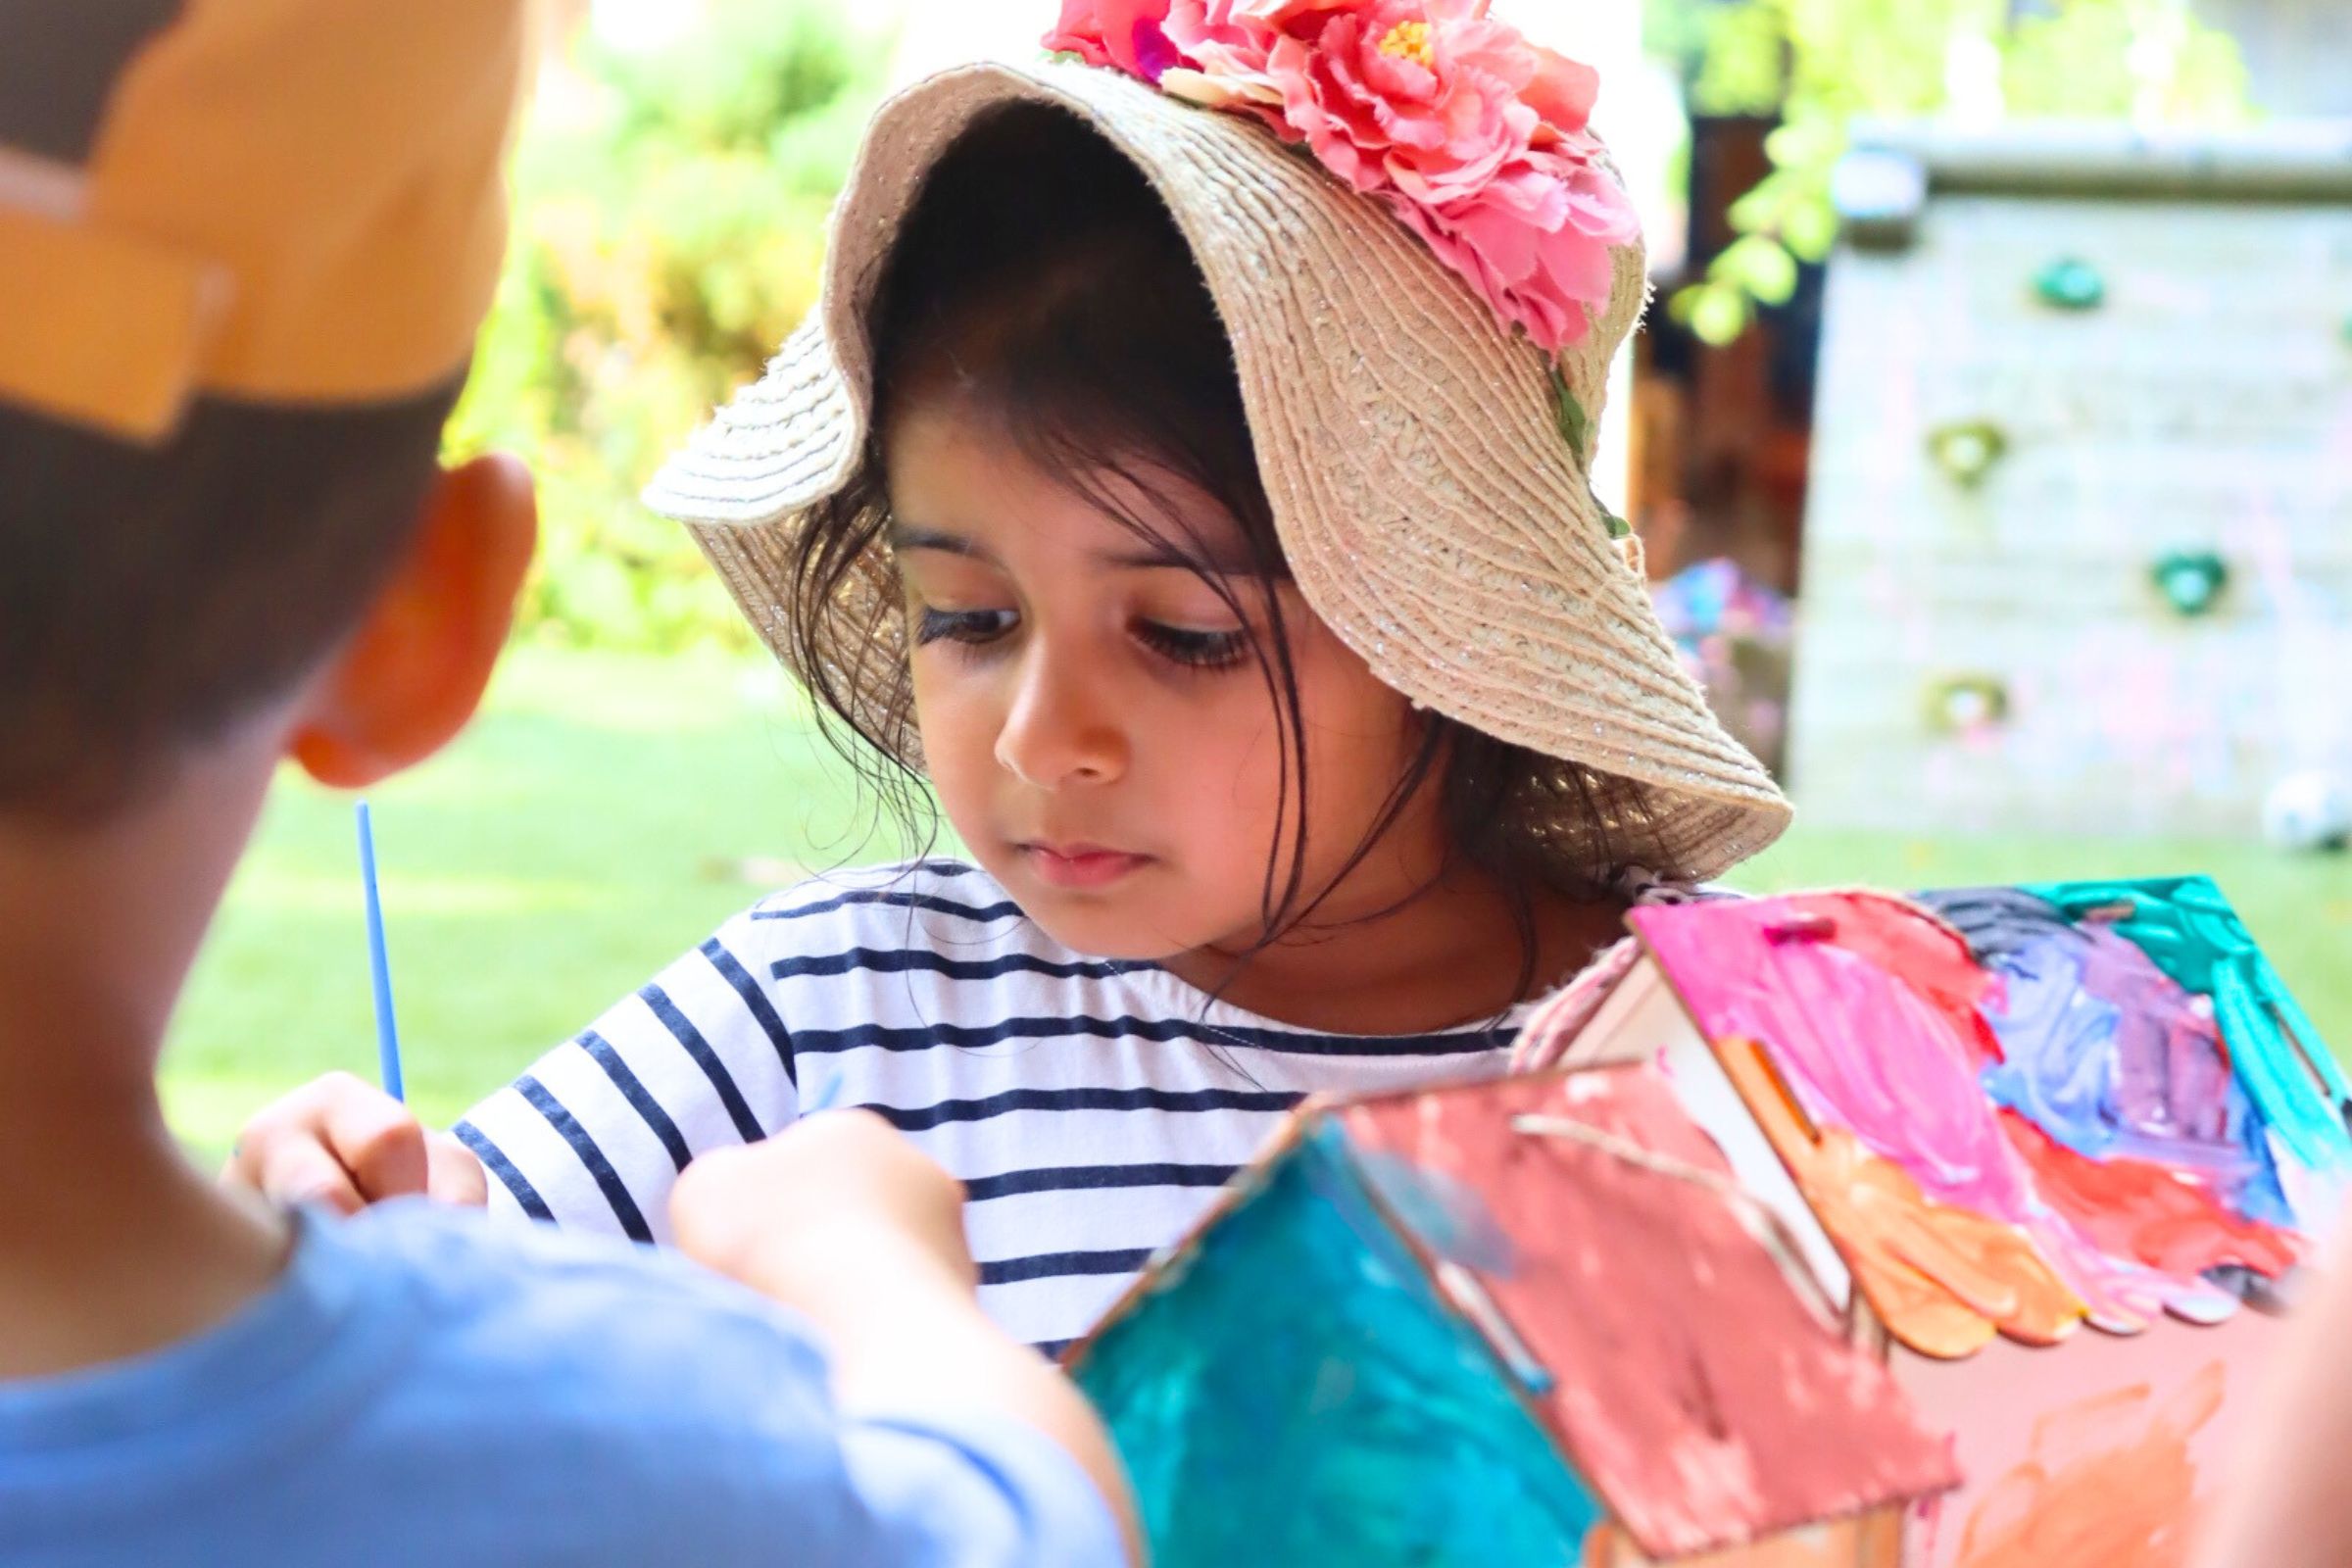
(1245, 1186)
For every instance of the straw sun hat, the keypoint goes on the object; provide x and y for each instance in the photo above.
(1426, 462)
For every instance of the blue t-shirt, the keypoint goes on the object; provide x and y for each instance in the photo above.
(419, 1388)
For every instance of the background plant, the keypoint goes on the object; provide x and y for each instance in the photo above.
(1817, 64)
(669, 224)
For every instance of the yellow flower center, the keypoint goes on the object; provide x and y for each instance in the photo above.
(1409, 40)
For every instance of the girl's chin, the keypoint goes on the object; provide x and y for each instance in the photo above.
(1124, 924)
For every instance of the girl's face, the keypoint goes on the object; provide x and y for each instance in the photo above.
(1093, 716)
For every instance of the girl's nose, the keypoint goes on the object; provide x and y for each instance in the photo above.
(1060, 729)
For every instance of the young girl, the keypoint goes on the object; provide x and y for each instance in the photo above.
(1192, 493)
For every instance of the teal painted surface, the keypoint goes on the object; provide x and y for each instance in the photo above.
(2071, 283)
(1300, 1394)
(2191, 933)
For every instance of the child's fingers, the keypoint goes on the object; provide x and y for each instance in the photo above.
(379, 1142)
(300, 1171)
(336, 1141)
(452, 1173)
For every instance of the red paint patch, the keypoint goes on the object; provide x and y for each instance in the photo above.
(2154, 1214)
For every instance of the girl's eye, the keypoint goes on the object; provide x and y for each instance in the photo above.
(962, 626)
(1195, 649)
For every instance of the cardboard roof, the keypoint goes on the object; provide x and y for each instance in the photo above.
(1694, 1379)
(2020, 1110)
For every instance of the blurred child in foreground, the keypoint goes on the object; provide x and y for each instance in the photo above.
(244, 246)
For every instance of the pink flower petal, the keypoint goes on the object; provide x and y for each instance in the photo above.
(1575, 270)
(1154, 54)
(1475, 138)
(1104, 32)
(1562, 90)
(1077, 32)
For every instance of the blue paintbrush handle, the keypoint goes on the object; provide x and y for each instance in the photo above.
(387, 1027)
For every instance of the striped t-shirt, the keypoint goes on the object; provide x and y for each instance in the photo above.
(1091, 1107)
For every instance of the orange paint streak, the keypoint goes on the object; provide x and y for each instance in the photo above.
(2134, 1209)
(2110, 1484)
(1943, 1280)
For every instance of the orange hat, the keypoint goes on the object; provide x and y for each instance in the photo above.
(281, 201)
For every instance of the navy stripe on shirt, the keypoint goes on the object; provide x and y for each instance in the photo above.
(764, 1012)
(928, 1037)
(903, 960)
(600, 1050)
(1082, 1178)
(687, 1035)
(608, 1180)
(494, 1159)
(1004, 910)
(916, 1118)
(1062, 1265)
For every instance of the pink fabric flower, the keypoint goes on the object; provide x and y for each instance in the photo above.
(1420, 97)
(1126, 33)
(1534, 243)
(1224, 43)
(1562, 92)
(1477, 139)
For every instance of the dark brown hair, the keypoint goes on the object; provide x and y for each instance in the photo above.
(151, 596)
(1041, 280)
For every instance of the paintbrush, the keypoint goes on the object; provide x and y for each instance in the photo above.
(387, 1027)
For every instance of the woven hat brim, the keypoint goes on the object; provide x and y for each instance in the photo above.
(1428, 501)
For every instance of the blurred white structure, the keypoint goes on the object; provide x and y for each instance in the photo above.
(2298, 53)
(633, 24)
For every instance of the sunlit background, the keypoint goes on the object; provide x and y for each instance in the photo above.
(641, 773)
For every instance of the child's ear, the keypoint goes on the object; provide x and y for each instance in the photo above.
(412, 675)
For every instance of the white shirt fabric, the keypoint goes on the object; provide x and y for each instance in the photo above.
(1091, 1107)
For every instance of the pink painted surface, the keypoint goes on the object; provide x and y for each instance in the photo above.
(1852, 1025)
(1701, 1396)
(2100, 1454)
(1866, 1009)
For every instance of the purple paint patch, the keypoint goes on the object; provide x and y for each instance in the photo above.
(2171, 1080)
(2111, 1059)
(1154, 54)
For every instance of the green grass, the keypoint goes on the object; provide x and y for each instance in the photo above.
(591, 826)
(2299, 907)
(598, 820)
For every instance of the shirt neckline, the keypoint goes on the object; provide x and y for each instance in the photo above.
(1215, 1012)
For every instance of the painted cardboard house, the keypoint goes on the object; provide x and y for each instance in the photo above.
(1854, 1231)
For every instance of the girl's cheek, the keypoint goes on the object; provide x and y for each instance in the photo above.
(1230, 754)
(951, 718)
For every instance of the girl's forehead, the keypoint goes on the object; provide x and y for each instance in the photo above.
(968, 485)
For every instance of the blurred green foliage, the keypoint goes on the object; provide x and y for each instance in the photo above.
(1816, 65)
(669, 224)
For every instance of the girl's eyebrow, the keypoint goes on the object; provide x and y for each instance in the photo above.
(1232, 562)
(1235, 562)
(907, 536)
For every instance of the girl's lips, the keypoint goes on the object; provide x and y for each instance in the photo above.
(1080, 865)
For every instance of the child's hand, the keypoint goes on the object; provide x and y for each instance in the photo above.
(844, 1220)
(833, 1190)
(345, 1144)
